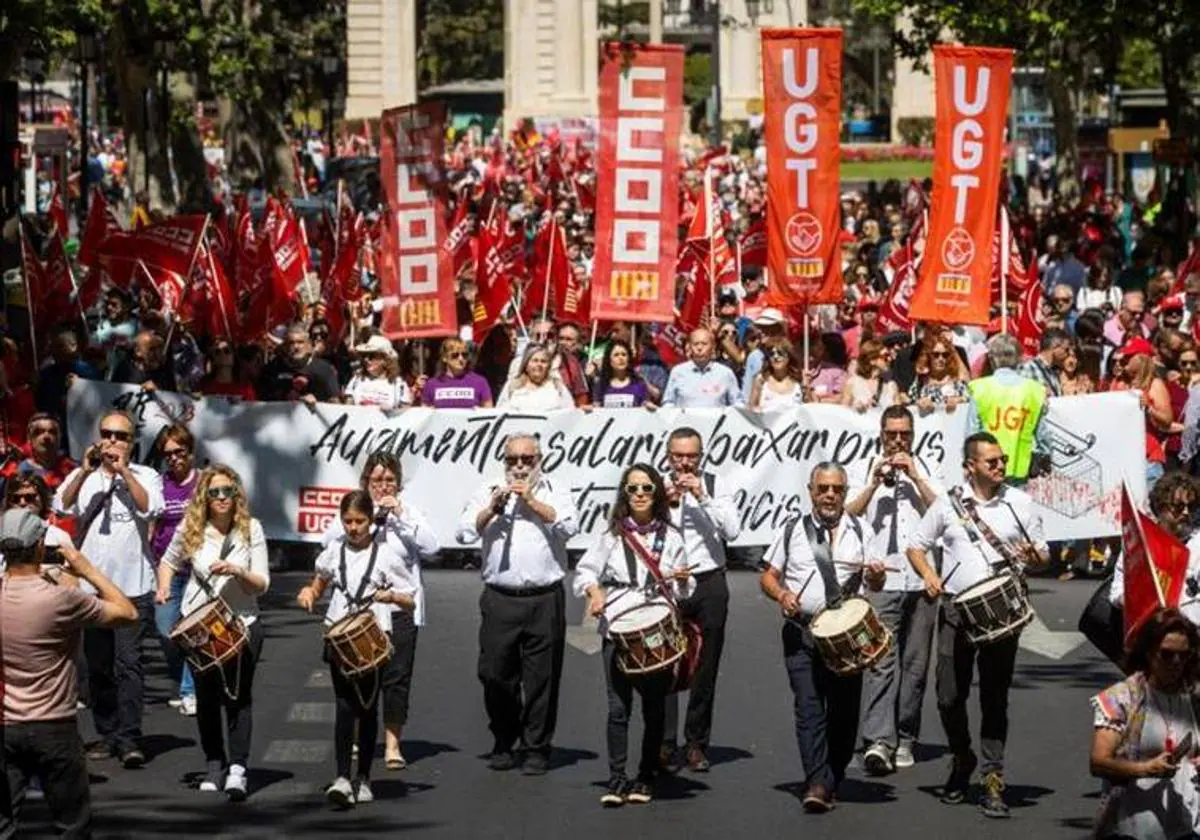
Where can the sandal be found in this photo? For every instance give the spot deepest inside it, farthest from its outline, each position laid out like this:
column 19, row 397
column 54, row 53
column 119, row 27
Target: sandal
column 395, row 762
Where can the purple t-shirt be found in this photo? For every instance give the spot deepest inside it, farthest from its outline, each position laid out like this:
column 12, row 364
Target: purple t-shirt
column 630, row 395
column 175, row 501
column 467, row 391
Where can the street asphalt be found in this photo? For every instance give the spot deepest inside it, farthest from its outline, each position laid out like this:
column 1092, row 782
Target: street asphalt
column 448, row 792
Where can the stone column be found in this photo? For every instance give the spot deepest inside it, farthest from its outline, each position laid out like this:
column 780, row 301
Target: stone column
column 912, row 92
column 381, row 53
column 550, row 59
column 741, row 55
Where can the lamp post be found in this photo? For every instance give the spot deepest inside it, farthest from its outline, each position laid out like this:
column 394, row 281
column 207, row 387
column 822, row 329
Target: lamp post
column 87, row 56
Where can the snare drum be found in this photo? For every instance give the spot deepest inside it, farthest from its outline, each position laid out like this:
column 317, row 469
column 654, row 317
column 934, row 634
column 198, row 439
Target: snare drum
column 994, row 609
column 209, row 636
column 648, row 638
column 850, row 636
column 358, row 644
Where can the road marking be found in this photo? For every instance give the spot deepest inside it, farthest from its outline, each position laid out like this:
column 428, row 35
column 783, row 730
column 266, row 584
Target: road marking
column 298, row 752
column 312, row 713
column 583, row 636
column 319, row 679
column 1052, row 644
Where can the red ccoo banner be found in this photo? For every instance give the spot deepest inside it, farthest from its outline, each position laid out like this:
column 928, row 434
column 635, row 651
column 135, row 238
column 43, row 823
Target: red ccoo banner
column 802, row 86
column 972, row 108
column 637, row 206
column 416, row 274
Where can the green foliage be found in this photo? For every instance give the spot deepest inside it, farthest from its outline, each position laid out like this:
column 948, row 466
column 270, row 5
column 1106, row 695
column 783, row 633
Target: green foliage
column 915, row 131
column 1140, row 65
column 459, row 39
column 697, row 77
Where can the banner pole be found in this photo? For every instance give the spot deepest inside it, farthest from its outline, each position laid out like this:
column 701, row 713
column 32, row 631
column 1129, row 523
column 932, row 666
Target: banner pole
column 633, row 342
column 708, row 220
column 549, row 262
column 29, row 294
column 592, row 342
column 806, row 340
column 1005, row 233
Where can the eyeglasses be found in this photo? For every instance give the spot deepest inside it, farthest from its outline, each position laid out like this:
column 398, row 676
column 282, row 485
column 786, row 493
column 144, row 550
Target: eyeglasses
column 226, row 492
column 639, row 489
column 939, row 354
column 523, row 460
column 998, row 461
column 24, row 499
column 897, row 434
column 461, row 354
column 320, row 335
column 116, row 434
column 1184, row 364
column 1173, row 655
column 177, row 452
column 835, row 489
column 541, row 336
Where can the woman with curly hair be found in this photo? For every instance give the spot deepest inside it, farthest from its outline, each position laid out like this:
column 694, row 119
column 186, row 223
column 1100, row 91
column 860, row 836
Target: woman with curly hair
column 226, row 551
column 941, row 375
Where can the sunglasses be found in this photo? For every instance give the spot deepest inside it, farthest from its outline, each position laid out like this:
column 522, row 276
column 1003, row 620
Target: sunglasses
column 1180, row 507
column 998, row 461
column 1173, row 655
column 1188, row 363
column 939, row 354
column 177, row 452
column 116, row 434
column 896, row 434
column 822, row 489
column 461, row 354
column 1062, row 300
column 639, row 489
column 779, row 355
column 523, row 460
column 23, row 499
column 226, row 492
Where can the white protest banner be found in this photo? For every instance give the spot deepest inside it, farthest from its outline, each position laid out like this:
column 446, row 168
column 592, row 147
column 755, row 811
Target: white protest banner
column 297, row 463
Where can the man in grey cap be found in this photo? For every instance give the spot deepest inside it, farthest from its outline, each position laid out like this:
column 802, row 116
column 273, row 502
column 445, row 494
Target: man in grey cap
column 41, row 623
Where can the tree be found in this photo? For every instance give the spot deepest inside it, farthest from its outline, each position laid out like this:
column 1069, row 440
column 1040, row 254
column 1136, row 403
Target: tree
column 459, row 39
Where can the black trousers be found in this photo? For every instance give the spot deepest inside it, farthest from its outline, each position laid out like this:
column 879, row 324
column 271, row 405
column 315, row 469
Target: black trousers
column 53, row 751
column 709, row 607
column 956, row 661
column 653, row 691
column 116, row 676
column 213, row 695
column 521, row 640
column 357, row 702
column 397, row 673
column 825, row 709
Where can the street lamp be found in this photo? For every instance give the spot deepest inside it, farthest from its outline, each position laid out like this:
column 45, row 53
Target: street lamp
column 87, row 55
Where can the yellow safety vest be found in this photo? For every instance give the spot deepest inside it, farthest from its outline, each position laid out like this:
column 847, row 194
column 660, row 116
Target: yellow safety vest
column 1010, row 412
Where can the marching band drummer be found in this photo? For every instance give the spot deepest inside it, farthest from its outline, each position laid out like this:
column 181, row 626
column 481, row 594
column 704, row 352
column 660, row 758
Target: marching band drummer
column 978, row 523
column 640, row 533
column 815, row 562
column 226, row 551
column 362, row 571
column 406, row 530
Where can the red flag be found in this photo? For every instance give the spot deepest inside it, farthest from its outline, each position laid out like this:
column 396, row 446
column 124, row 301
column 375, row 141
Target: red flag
column 692, row 272
column 1187, row 268
column 458, row 238
column 640, row 98
column 284, row 256
column 101, row 222
column 754, row 243
column 34, row 276
column 1030, row 323
column 1155, row 566
column 169, row 246
column 904, row 262
column 60, row 281
column 548, row 271
column 220, row 304
column 1006, row 260
column 493, row 290
column 170, row 287
column 58, row 212
column 708, row 231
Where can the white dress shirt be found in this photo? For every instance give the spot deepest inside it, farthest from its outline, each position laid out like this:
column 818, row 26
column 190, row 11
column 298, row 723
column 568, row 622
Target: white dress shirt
column 390, row 573
column 706, row 526
column 413, row 540
column 1010, row 514
column 905, row 500
column 241, row 600
column 800, row 573
column 118, row 541
column 520, row 549
column 605, row 563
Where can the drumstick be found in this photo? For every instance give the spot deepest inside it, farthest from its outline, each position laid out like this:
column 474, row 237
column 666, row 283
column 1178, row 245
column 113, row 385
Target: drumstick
column 621, row 593
column 946, row 579
column 864, row 565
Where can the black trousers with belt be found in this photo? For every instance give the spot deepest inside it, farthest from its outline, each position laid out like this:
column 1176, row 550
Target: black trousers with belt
column 521, row 638
column 708, row 607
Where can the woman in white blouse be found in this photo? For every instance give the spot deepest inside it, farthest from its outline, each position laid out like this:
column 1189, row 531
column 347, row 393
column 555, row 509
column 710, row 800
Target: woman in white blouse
column 407, row 532
column 226, row 551
column 640, row 524
column 364, row 574
column 536, row 387
column 777, row 385
column 379, row 383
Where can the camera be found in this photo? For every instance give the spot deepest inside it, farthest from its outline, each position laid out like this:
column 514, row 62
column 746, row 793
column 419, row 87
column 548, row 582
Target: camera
column 52, row 556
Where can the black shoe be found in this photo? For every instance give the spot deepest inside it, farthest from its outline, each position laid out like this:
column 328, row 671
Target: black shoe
column 133, row 759
column 614, row 795
column 535, row 764
column 640, row 792
column 697, row 761
column 502, row 760
column 992, row 804
column 99, row 751
column 959, row 781
column 670, row 759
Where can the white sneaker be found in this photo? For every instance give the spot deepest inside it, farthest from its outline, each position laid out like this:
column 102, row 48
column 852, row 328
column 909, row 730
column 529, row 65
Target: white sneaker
column 214, row 778
column 877, row 760
column 340, row 793
column 175, row 702
column 187, row 705
column 362, row 792
column 235, row 783
column 904, row 756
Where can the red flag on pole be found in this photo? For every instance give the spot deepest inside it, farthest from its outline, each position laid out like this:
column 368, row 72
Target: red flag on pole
column 493, row 290
column 1030, row 323
column 754, row 243
column 549, row 270
column 169, row 246
column 1155, row 566
column 458, row 238
column 708, row 232
column 58, row 212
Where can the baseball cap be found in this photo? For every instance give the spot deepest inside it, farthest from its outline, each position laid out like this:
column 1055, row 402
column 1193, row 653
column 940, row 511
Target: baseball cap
column 20, row 529
column 769, row 317
column 1136, row 347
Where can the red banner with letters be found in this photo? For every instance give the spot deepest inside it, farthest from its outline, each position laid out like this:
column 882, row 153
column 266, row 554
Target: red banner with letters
column 416, row 273
column 802, row 91
column 972, row 86
column 637, row 205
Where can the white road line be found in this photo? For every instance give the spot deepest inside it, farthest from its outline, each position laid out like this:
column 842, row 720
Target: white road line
column 1052, row 644
column 298, row 752
column 583, row 636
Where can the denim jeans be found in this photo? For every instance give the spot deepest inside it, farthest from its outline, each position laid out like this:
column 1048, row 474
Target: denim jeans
column 165, row 617
column 53, row 751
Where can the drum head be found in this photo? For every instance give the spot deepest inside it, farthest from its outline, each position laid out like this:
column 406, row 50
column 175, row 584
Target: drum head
column 195, row 618
column 983, row 587
column 639, row 618
column 834, row 620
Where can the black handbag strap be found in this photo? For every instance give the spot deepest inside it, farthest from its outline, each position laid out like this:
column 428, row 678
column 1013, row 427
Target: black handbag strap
column 357, row 598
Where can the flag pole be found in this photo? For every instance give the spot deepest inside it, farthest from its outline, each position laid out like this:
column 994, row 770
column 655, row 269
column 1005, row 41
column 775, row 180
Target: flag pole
column 212, row 271
column 1005, row 233
column 708, row 231
column 549, row 262
column 806, row 340
column 25, row 258
column 592, row 342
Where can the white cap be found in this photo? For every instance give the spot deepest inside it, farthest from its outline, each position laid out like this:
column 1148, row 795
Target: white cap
column 377, row 344
column 769, row 317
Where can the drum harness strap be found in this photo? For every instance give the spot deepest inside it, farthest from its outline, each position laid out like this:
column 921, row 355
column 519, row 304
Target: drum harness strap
column 203, row 580
column 355, row 603
column 822, row 551
column 974, row 525
column 631, row 545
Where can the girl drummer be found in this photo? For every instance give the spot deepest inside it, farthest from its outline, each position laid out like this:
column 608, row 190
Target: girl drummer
column 407, row 532
column 638, row 560
column 367, row 574
column 227, row 553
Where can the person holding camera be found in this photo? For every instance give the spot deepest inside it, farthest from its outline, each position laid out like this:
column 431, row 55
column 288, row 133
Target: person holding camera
column 899, row 489
column 31, row 493
column 40, row 624
column 116, row 503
